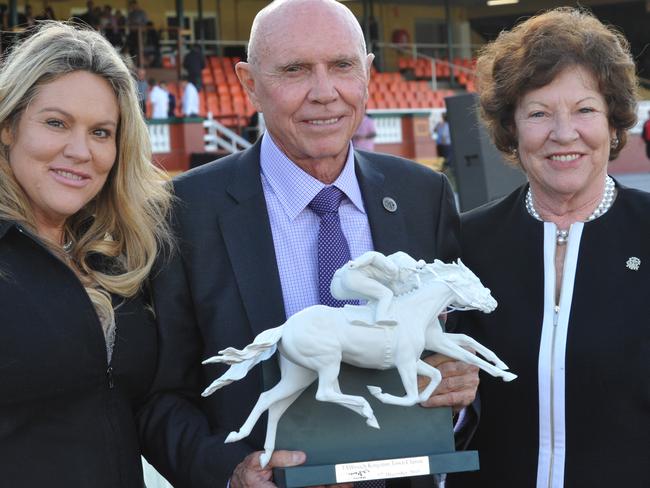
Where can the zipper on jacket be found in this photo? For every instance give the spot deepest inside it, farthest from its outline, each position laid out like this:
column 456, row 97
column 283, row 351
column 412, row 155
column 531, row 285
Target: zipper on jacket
column 109, row 377
column 556, row 314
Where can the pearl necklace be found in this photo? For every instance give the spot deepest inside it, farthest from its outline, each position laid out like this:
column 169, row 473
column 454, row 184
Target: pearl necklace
column 561, row 236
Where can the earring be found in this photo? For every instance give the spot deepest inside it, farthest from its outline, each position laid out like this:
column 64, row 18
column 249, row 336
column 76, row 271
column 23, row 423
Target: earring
column 614, row 143
column 515, row 152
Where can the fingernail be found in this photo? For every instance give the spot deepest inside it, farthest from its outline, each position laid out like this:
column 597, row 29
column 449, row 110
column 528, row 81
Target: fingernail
column 298, row 457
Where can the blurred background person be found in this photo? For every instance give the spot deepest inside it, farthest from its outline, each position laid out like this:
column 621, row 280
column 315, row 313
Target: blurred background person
column 194, row 62
column 27, row 18
column 171, row 105
column 143, row 88
column 190, row 98
column 364, row 137
column 89, row 16
column 136, row 20
column 152, row 46
column 82, row 218
column 109, row 26
column 442, row 136
column 567, row 256
column 159, row 99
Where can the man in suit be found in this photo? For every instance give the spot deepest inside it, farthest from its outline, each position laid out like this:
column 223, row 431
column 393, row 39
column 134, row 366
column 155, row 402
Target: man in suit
column 247, row 256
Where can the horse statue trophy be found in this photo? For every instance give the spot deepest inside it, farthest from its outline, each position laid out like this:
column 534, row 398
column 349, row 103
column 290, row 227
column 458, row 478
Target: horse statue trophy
column 314, row 343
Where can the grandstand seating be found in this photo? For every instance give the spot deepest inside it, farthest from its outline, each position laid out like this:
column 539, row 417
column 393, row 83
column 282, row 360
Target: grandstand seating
column 392, row 91
column 462, row 69
column 223, row 96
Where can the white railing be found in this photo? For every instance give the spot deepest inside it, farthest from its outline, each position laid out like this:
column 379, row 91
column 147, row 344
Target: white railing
column 389, row 130
column 159, row 136
column 218, row 136
column 388, row 122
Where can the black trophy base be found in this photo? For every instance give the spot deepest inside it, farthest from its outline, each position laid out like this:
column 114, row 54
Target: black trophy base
column 332, row 435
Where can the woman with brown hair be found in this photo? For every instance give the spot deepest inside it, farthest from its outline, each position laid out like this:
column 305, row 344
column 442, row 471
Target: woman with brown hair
column 567, row 256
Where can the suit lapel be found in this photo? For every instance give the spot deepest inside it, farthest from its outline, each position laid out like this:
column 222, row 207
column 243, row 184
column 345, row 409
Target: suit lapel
column 247, row 234
column 388, row 228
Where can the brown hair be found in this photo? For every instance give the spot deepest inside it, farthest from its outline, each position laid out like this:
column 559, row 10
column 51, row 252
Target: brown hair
column 534, row 52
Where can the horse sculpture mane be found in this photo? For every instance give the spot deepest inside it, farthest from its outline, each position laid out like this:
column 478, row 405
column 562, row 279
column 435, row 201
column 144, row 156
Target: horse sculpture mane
column 314, row 341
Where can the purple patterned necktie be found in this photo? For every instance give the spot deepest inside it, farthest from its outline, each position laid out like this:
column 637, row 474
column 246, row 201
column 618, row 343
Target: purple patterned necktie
column 333, row 252
column 333, row 249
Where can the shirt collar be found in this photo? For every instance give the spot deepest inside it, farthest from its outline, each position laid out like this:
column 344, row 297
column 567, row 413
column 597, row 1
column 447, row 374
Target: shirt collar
column 294, row 187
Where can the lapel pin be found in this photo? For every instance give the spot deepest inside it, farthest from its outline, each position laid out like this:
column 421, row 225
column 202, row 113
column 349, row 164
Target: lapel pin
column 633, row 263
column 389, row 204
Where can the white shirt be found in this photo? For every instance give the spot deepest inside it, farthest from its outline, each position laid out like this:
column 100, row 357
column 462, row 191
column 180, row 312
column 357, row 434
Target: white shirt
column 159, row 103
column 190, row 100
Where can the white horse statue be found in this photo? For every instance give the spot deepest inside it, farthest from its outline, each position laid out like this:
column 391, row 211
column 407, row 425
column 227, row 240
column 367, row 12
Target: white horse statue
column 314, row 341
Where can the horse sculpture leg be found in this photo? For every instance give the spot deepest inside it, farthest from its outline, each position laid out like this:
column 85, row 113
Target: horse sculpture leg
column 425, row 369
column 408, row 374
column 447, row 344
column 466, row 341
column 300, row 378
column 294, row 380
column 275, row 413
column 330, row 391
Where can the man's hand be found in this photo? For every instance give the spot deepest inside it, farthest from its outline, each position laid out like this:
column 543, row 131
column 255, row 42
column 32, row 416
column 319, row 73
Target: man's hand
column 458, row 386
column 249, row 473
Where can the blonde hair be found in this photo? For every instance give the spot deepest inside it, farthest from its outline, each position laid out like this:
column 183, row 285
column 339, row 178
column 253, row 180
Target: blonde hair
column 126, row 221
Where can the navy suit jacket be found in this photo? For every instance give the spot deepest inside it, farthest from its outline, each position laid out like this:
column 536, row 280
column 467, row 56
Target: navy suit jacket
column 222, row 288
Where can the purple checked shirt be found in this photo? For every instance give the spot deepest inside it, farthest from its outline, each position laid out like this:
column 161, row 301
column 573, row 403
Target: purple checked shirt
column 288, row 190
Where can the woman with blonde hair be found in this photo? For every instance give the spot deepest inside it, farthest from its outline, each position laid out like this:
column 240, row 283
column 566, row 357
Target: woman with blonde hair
column 82, row 220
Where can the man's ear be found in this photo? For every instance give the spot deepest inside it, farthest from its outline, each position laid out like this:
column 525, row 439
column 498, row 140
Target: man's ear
column 247, row 79
column 6, row 136
column 369, row 59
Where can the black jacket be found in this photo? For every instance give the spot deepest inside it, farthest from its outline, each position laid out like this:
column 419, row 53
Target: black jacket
column 607, row 372
column 66, row 416
column 223, row 288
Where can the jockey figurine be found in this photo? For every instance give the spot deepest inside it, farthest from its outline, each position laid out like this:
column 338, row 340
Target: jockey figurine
column 373, row 276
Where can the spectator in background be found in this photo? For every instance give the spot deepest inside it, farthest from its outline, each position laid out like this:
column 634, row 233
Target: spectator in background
column 89, row 16
column 443, row 141
column 190, row 98
column 152, row 45
column 136, row 20
column 159, row 98
column 27, row 19
column 48, row 14
column 171, row 107
column 194, row 64
column 4, row 21
column 109, row 27
column 120, row 20
column 646, row 135
column 143, row 87
column 364, row 137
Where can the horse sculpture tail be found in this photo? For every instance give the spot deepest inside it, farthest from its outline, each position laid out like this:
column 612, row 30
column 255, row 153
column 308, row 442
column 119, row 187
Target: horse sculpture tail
column 242, row 361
